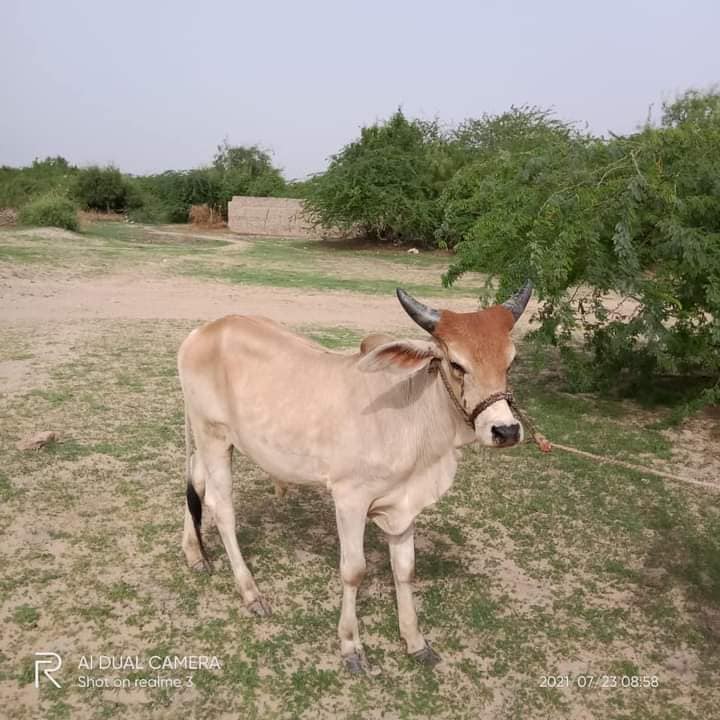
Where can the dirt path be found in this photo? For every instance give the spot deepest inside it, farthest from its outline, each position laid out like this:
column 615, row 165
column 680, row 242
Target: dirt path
column 147, row 296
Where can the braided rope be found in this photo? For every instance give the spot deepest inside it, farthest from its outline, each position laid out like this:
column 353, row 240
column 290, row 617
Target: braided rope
column 536, row 437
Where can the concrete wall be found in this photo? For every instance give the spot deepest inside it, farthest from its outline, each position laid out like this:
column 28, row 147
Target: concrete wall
column 278, row 217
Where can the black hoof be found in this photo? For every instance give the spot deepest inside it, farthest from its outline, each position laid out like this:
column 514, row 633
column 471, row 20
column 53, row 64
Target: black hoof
column 260, row 607
column 354, row 664
column 427, row 656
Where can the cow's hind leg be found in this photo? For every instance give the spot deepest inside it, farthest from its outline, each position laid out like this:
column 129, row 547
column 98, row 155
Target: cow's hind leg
column 351, row 530
column 402, row 559
column 217, row 459
column 192, row 544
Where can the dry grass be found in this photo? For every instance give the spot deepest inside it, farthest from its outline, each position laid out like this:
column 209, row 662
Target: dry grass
column 203, row 216
column 88, row 217
column 8, row 216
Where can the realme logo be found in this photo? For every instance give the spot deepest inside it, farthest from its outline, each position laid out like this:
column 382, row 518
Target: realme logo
column 51, row 663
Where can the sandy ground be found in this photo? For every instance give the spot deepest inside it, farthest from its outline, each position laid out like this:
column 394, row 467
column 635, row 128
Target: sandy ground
column 147, row 297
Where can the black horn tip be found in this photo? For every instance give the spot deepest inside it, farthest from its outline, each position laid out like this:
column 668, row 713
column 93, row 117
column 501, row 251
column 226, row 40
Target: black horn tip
column 518, row 302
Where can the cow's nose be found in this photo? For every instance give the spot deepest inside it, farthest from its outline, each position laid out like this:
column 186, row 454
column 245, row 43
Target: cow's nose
column 503, row 434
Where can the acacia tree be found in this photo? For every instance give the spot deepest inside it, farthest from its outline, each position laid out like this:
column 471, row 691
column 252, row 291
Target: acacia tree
column 384, row 183
column 245, row 170
column 101, row 188
column 637, row 217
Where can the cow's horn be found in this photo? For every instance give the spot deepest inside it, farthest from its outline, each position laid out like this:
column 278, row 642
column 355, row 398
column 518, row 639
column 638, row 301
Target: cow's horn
column 426, row 317
column 518, row 302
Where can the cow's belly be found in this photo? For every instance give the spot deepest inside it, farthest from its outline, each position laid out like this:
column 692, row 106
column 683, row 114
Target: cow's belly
column 291, row 464
column 311, row 438
column 395, row 494
column 331, row 459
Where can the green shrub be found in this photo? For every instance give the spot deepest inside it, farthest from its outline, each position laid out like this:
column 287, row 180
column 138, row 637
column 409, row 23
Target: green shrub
column 235, row 171
column 50, row 210
column 148, row 209
column 20, row 185
column 175, row 191
column 104, row 189
column 245, row 170
column 384, row 183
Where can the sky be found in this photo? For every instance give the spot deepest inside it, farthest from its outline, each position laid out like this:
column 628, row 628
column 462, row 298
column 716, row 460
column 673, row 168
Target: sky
column 155, row 85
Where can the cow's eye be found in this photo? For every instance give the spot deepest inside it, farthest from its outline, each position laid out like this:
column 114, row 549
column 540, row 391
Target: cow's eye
column 457, row 368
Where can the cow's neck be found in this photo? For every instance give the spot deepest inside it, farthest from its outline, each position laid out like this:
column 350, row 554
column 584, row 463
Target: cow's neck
column 437, row 430
column 441, row 426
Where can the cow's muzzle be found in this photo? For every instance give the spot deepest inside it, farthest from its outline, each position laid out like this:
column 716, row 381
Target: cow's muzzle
column 506, row 435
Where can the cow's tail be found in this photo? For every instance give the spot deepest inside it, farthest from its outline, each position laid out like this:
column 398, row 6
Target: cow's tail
column 194, row 502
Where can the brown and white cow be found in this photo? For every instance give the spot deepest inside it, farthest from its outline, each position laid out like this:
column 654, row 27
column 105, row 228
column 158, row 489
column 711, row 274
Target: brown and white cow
column 379, row 429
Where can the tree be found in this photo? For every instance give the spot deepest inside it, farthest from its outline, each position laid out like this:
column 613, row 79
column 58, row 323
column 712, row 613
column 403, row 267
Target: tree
column 245, row 171
column 250, row 160
column 97, row 188
column 621, row 236
column 383, row 183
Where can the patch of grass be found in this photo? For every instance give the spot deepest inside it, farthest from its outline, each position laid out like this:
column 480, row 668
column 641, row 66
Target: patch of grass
column 483, row 614
column 310, row 280
column 586, row 422
column 54, row 396
column 98, row 614
column 140, row 238
column 121, row 591
column 104, row 247
column 309, row 251
column 309, row 685
column 26, row 615
column 21, row 254
column 70, row 449
column 6, row 488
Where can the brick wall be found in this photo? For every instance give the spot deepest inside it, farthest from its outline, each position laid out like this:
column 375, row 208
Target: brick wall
column 278, row 217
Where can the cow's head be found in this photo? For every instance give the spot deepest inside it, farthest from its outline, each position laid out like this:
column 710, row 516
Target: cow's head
column 474, row 351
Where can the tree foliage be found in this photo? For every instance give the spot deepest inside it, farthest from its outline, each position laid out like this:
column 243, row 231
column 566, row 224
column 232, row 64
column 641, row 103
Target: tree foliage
column 19, row 185
column 162, row 197
column 236, row 170
column 101, row 188
column 382, row 184
column 621, row 236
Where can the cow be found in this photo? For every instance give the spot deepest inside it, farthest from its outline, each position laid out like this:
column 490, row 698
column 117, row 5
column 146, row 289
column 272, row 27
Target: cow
column 379, row 429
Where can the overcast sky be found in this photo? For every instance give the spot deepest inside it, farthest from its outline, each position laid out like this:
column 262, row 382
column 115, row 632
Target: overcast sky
column 156, row 85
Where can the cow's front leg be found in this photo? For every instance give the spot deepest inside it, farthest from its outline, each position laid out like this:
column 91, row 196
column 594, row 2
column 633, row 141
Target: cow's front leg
column 402, row 559
column 351, row 530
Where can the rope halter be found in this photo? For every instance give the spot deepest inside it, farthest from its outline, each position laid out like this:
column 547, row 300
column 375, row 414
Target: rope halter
column 471, row 416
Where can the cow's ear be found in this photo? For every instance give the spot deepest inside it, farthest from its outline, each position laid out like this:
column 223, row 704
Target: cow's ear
column 400, row 356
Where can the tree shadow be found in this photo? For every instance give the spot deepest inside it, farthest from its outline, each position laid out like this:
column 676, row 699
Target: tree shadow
column 685, row 555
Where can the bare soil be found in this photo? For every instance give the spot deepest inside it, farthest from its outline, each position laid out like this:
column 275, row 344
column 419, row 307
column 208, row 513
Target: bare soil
column 134, row 296
column 508, row 585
